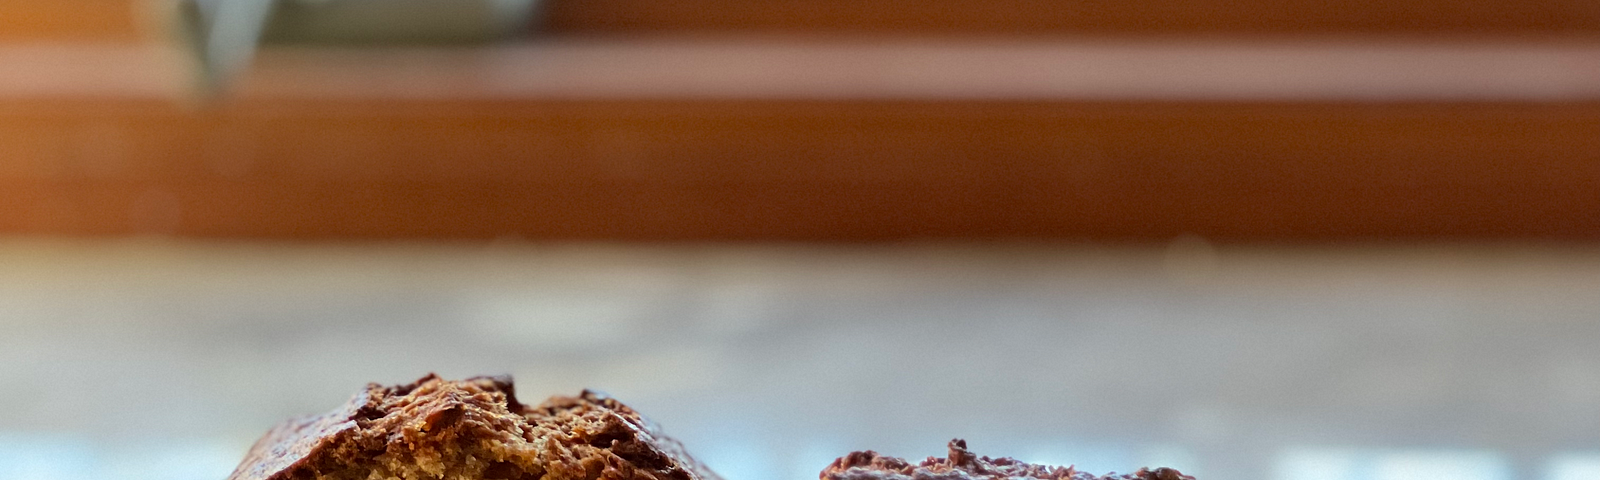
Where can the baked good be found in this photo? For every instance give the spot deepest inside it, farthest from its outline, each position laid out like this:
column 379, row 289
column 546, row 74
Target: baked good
column 474, row 429
column 961, row 464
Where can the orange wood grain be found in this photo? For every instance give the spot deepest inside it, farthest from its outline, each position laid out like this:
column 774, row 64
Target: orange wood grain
column 793, row 170
column 117, row 21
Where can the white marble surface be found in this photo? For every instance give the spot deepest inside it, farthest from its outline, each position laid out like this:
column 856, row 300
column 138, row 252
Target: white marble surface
column 860, row 68
column 150, row 359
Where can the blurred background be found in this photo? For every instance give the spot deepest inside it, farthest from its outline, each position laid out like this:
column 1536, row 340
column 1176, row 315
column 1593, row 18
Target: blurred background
column 1250, row 239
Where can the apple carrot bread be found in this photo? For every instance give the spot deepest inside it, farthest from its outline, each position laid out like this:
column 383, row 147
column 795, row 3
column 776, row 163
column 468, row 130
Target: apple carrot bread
column 474, row 429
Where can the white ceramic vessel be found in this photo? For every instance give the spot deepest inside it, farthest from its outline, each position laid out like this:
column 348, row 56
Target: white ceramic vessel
column 223, row 35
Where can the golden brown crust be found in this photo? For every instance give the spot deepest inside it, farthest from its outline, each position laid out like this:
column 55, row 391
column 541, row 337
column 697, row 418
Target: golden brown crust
column 473, row 429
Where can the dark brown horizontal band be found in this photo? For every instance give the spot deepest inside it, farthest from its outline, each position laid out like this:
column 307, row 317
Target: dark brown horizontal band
column 1071, row 16
column 802, row 170
column 124, row 20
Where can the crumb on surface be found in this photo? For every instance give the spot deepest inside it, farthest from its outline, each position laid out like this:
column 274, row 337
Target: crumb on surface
column 962, row 464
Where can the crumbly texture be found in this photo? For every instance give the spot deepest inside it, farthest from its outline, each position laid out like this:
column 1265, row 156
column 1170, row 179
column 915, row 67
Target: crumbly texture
column 474, row 429
column 961, row 464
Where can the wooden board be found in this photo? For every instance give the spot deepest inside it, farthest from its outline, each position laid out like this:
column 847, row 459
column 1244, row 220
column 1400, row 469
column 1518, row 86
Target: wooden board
column 803, row 170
